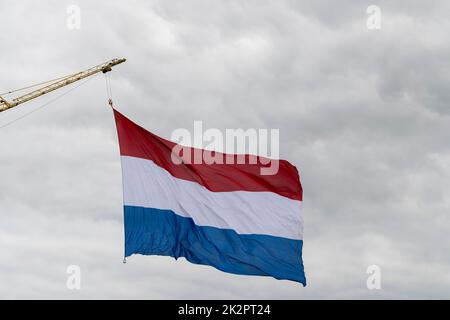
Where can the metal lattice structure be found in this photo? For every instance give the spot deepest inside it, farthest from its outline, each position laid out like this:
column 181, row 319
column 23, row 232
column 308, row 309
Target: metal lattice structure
column 59, row 83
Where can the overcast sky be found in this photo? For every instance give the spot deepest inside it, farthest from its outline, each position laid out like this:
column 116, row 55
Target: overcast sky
column 364, row 114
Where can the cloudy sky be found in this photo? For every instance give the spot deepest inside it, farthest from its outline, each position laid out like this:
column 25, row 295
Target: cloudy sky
column 362, row 113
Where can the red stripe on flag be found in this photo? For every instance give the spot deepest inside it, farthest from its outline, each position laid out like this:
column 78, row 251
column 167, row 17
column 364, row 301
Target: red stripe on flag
column 137, row 142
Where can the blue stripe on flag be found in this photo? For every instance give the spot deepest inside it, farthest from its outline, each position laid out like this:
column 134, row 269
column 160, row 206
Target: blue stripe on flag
column 151, row 231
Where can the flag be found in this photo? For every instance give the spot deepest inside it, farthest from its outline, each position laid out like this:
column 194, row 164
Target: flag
column 228, row 215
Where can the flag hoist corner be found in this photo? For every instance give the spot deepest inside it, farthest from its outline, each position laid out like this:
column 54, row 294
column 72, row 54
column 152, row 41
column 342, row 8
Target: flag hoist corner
column 228, row 216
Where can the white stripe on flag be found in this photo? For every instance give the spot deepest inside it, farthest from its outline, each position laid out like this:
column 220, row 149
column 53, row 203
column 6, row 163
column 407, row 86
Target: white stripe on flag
column 150, row 186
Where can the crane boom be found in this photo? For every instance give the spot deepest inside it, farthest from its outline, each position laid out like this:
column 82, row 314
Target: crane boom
column 104, row 67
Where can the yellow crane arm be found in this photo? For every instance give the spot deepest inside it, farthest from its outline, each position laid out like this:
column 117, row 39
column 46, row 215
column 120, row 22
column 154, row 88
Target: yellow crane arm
column 104, row 67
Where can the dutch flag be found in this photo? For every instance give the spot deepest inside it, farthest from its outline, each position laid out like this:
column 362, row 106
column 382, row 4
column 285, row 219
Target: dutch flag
column 228, row 216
